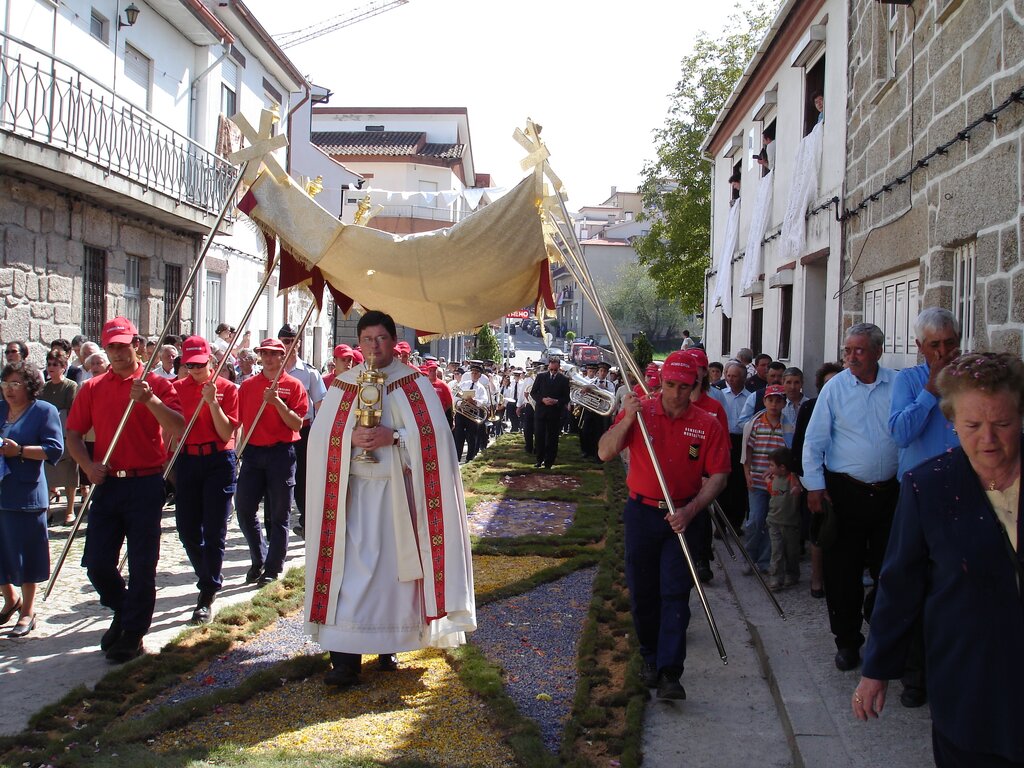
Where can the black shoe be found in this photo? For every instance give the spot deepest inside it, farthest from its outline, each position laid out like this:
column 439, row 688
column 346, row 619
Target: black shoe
column 847, row 659
column 912, row 698
column 112, row 635
column 670, row 688
column 299, row 531
column 253, row 574
column 341, row 677
column 128, row 647
column 649, row 675
column 267, row 578
column 538, row 465
column 387, row 662
column 704, row 572
column 203, row 614
column 21, row 630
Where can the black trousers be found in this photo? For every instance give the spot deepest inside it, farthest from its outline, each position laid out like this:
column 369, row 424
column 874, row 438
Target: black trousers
column 547, row 429
column 300, row 471
column 528, row 427
column 733, row 497
column 864, row 515
column 466, row 432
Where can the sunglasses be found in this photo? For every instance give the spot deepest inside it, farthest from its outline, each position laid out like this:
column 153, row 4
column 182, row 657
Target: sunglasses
column 193, row 366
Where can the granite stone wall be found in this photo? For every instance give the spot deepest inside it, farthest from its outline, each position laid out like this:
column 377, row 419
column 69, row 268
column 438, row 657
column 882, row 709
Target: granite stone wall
column 955, row 61
column 43, row 236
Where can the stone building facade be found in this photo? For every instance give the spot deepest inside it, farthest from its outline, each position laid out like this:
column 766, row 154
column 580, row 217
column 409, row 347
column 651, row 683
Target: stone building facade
column 46, row 238
column 934, row 169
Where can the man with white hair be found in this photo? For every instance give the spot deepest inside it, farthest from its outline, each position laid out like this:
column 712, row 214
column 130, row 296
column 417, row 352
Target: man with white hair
column 915, row 421
column 922, row 432
column 166, row 355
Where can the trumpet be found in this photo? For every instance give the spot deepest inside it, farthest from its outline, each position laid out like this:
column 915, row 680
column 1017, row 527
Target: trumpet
column 466, row 406
column 586, row 395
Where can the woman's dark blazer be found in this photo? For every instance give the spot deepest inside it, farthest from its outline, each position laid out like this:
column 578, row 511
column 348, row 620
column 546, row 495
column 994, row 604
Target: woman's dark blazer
column 948, row 555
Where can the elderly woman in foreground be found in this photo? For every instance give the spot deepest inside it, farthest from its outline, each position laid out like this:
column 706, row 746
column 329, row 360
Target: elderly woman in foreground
column 954, row 555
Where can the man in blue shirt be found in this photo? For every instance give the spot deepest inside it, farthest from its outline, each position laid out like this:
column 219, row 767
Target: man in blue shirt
column 922, row 432
column 850, row 459
column 915, row 421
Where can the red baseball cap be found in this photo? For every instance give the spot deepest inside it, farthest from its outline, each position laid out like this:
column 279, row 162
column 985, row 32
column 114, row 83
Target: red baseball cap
column 270, row 345
column 342, row 350
column 120, row 330
column 357, row 356
column 195, row 349
column 403, row 347
column 699, row 356
column 679, row 367
column 775, row 390
column 430, row 365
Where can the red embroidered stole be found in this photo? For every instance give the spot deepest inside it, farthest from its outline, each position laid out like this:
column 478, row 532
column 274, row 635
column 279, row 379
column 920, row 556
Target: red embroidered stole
column 329, row 525
column 431, row 487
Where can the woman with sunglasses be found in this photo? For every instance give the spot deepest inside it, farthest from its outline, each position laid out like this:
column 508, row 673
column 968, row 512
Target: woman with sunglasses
column 59, row 391
column 205, row 479
column 31, row 434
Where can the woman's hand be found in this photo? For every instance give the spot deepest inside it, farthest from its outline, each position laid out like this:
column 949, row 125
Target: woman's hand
column 10, row 449
column 869, row 698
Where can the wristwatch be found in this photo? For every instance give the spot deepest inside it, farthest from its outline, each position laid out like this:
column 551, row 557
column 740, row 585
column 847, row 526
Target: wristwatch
column 396, row 438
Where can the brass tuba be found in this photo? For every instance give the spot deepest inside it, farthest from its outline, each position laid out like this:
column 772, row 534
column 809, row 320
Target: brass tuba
column 586, row 395
column 465, row 405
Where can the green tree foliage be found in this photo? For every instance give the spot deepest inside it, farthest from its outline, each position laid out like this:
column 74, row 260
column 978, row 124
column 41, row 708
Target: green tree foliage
column 643, row 352
column 633, row 302
column 677, row 185
column 487, row 344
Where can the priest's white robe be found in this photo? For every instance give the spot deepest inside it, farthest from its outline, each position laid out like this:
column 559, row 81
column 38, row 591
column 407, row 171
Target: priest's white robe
column 384, row 592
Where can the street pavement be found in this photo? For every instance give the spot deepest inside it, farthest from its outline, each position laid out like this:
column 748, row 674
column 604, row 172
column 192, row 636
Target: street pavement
column 780, row 701
column 63, row 652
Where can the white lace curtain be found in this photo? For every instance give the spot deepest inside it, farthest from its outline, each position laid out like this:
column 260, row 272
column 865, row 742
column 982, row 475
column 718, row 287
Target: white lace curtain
column 803, row 192
column 753, row 259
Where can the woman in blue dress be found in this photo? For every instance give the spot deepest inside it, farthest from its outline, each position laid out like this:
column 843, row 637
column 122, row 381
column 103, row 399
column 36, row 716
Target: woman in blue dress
column 31, row 433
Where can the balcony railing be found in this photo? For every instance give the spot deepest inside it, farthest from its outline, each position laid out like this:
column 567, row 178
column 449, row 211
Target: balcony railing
column 430, row 213
column 48, row 100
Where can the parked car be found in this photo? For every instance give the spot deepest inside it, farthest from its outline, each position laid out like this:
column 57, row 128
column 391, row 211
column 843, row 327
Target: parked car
column 550, row 352
column 587, row 354
column 506, row 343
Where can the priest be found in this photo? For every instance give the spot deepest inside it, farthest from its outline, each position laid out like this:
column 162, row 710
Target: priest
column 388, row 562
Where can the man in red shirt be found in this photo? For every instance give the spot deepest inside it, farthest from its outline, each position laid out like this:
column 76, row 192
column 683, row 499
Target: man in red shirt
column 693, row 453
column 444, row 394
column 129, row 496
column 268, row 472
column 205, row 468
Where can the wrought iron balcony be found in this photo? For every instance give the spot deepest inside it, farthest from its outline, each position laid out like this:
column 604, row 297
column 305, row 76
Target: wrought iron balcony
column 47, row 100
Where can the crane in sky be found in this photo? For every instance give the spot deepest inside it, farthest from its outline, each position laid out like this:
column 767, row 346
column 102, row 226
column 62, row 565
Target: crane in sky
column 304, row 35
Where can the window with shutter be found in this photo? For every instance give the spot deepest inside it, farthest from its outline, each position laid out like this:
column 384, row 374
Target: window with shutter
column 138, row 69
column 94, row 292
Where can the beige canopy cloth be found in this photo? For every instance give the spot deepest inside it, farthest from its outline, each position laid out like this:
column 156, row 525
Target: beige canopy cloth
column 446, row 281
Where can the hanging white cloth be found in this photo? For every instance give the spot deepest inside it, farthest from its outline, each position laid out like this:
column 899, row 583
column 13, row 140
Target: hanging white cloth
column 801, row 194
column 473, row 197
column 723, row 282
column 753, row 259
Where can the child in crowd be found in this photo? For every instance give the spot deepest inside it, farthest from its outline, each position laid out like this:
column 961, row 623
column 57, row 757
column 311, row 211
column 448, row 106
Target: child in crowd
column 783, row 521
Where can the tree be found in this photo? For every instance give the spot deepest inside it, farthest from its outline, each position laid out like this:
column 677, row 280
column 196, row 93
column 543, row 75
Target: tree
column 676, row 187
column 633, row 302
column 643, row 352
column 487, row 344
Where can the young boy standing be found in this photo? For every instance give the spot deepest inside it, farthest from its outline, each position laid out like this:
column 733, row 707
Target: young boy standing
column 783, row 521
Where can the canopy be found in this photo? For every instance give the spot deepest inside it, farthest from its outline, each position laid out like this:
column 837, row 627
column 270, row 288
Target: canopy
column 446, row 281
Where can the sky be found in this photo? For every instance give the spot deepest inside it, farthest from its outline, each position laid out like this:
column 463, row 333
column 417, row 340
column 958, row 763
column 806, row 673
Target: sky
column 596, row 74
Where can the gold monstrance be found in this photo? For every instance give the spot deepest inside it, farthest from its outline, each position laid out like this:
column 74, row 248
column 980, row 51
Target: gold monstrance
column 371, row 401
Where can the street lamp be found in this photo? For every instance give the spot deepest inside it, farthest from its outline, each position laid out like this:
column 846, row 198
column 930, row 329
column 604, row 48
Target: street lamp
column 131, row 14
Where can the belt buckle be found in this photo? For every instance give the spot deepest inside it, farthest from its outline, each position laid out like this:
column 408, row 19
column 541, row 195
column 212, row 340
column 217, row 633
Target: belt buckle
column 121, row 473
